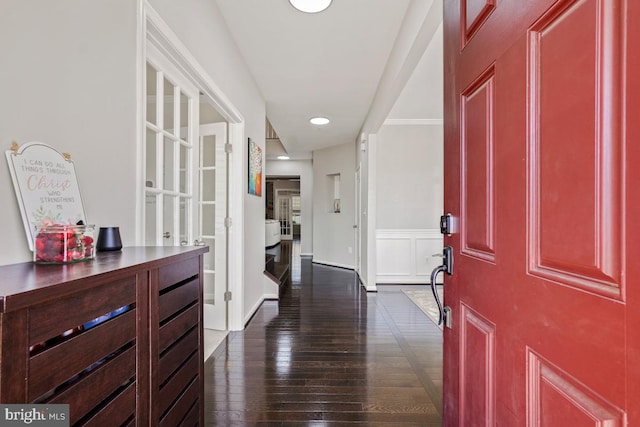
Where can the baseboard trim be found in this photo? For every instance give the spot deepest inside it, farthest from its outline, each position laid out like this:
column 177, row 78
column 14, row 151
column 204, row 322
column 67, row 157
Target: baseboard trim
column 334, row 264
column 364, row 284
column 306, row 255
column 252, row 312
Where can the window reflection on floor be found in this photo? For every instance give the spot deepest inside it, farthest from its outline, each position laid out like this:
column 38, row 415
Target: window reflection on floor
column 288, row 250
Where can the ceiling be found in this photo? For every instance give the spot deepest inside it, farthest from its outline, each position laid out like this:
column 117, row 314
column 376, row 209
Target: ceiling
column 344, row 63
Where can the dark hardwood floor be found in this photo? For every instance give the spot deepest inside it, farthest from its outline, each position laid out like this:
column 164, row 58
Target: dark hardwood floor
column 328, row 353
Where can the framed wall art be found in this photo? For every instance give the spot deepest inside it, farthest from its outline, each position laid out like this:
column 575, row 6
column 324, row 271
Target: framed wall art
column 255, row 169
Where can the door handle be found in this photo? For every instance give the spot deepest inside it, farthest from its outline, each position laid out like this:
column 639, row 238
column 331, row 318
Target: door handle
column 166, row 235
column 446, row 267
column 199, row 242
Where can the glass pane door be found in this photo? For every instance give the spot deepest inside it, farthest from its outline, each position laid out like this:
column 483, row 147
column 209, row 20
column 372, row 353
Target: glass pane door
column 170, row 150
column 212, row 230
column 284, row 216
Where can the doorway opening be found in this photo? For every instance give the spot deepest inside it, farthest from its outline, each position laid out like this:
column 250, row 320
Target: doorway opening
column 188, row 171
column 186, row 179
column 283, row 216
column 283, row 204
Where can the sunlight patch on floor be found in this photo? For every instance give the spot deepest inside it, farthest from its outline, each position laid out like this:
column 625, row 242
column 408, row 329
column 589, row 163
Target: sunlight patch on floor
column 212, row 339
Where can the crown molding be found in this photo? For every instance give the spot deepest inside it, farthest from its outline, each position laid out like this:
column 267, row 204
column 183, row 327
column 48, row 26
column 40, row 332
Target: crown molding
column 413, row 122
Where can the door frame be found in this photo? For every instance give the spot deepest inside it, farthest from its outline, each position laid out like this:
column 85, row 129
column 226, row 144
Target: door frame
column 153, row 30
column 356, row 224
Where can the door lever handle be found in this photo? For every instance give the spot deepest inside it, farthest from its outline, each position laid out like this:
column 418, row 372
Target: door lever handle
column 434, row 275
column 446, row 267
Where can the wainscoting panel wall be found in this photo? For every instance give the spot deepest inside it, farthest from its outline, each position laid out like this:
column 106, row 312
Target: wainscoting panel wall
column 407, row 256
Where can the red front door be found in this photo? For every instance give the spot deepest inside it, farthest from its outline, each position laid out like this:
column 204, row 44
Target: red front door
column 542, row 172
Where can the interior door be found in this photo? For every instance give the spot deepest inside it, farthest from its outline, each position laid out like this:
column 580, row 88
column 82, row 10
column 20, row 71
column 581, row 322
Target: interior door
column 542, row 174
column 284, row 215
column 212, row 230
column 170, row 151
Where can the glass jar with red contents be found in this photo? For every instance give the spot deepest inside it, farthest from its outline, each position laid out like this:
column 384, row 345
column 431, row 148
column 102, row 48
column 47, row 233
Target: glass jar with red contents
column 64, row 244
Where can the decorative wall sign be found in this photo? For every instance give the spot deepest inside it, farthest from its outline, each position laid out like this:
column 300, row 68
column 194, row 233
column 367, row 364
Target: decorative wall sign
column 46, row 187
column 255, row 169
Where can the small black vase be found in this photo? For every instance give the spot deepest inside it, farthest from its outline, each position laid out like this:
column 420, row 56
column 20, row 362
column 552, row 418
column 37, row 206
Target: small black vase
column 109, row 239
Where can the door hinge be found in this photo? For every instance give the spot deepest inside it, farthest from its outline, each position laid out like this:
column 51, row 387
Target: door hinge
column 227, row 296
column 228, row 148
column 227, row 222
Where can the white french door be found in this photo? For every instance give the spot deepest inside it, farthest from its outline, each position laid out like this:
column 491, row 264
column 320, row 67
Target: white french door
column 213, row 209
column 186, row 178
column 284, row 214
column 171, row 152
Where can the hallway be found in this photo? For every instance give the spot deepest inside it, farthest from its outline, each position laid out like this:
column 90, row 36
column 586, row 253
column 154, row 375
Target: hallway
column 327, row 353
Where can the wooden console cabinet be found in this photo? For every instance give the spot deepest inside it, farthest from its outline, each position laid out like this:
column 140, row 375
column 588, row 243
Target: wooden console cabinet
column 142, row 366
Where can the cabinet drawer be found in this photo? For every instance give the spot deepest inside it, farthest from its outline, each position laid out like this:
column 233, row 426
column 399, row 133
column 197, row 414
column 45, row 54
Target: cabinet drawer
column 178, row 272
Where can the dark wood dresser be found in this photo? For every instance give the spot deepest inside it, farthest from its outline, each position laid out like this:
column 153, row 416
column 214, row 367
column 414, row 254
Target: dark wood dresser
column 118, row 338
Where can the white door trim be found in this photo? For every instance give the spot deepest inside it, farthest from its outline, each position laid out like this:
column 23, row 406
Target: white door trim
column 372, row 267
column 153, row 29
column 356, row 224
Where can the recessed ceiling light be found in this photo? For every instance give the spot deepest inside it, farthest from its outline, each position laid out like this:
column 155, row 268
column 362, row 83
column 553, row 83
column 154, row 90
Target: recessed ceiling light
column 283, row 157
column 310, row 6
column 319, row 120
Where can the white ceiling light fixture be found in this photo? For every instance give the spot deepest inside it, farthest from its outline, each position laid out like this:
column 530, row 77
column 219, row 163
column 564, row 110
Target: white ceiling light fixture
column 310, row 6
column 319, row 120
column 283, row 157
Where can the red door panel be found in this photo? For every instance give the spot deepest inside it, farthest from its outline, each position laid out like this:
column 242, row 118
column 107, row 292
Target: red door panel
column 475, row 12
column 576, row 184
column 477, row 192
column 542, row 169
column 477, row 360
column 556, row 398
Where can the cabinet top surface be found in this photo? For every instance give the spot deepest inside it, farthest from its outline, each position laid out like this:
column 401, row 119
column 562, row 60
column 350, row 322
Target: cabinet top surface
column 21, row 280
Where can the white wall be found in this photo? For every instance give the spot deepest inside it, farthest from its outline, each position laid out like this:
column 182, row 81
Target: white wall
column 399, row 97
column 68, row 79
column 303, row 169
column 423, row 95
column 334, row 240
column 409, row 201
column 409, row 176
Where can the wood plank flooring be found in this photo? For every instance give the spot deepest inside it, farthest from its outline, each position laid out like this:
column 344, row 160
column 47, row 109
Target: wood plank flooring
column 329, row 353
